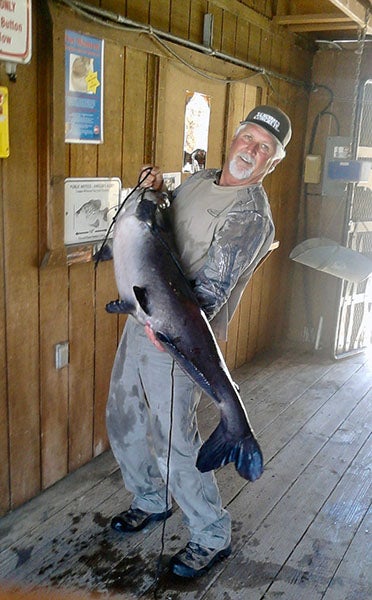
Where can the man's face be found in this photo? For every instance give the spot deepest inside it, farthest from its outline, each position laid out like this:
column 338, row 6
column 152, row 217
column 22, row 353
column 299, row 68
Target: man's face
column 251, row 156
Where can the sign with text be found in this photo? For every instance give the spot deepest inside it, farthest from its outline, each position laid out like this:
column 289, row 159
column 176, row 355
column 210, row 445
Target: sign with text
column 83, row 88
column 90, row 205
column 15, row 31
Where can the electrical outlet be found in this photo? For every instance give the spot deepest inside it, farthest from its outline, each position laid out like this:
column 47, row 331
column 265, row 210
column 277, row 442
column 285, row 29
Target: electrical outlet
column 61, row 354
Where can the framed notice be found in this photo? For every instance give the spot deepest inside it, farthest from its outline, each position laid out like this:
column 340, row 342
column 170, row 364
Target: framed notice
column 90, row 205
column 15, row 31
column 83, row 89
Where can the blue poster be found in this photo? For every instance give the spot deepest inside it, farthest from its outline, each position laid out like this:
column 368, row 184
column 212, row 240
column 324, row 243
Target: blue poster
column 83, row 89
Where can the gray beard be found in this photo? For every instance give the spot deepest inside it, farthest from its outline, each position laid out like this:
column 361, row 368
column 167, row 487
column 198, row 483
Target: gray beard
column 242, row 173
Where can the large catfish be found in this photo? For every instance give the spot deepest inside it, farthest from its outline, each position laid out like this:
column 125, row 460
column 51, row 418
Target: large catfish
column 153, row 289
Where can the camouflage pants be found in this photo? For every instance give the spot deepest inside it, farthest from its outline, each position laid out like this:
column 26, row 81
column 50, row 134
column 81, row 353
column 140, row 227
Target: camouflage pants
column 145, row 384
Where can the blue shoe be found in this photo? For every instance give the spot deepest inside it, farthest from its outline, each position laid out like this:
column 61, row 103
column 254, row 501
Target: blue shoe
column 195, row 560
column 135, row 519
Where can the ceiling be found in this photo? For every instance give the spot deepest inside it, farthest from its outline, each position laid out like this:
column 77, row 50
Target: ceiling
column 325, row 20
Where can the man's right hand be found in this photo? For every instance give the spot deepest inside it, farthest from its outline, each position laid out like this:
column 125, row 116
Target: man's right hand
column 152, row 337
column 153, row 180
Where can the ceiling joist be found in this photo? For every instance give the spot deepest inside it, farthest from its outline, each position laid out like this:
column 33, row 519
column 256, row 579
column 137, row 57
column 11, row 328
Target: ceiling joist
column 350, row 15
column 356, row 11
column 315, row 22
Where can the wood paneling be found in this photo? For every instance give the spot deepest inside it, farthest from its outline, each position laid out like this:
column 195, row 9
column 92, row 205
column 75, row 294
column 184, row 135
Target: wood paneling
column 135, row 127
column 180, row 17
column 53, row 383
column 52, row 421
column 160, row 11
column 109, row 164
column 21, row 288
column 4, row 417
column 172, row 102
column 81, row 337
column 229, row 23
column 53, row 282
column 198, row 9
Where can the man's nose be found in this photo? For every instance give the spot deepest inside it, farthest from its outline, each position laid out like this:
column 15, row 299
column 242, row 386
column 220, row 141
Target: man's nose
column 252, row 147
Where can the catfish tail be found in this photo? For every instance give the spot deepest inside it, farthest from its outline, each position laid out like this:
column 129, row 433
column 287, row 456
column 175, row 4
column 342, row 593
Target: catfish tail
column 219, row 450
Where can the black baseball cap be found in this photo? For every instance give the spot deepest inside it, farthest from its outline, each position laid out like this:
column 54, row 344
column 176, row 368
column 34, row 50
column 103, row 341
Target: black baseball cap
column 274, row 120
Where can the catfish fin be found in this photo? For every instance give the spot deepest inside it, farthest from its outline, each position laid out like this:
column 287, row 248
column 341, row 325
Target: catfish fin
column 219, row 450
column 186, row 365
column 142, row 298
column 119, row 307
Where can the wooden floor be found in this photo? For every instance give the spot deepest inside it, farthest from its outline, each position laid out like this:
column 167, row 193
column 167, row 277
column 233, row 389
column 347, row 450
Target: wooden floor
column 302, row 531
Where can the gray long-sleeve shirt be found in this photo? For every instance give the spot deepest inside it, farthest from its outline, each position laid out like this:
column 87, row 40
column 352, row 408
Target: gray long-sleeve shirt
column 222, row 233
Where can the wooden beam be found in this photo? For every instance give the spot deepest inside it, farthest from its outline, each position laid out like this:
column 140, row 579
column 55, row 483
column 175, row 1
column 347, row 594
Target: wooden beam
column 312, row 19
column 355, row 10
column 244, row 12
column 316, row 22
column 308, row 27
column 323, row 27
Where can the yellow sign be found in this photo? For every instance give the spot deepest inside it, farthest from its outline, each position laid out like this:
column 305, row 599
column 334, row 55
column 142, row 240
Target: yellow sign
column 92, row 82
column 4, row 123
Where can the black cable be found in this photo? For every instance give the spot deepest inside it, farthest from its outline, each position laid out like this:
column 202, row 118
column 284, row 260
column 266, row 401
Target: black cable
column 160, row 558
column 314, row 130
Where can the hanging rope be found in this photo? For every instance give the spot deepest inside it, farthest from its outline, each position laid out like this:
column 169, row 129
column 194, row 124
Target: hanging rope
column 159, row 567
column 359, row 53
column 348, row 289
column 143, row 175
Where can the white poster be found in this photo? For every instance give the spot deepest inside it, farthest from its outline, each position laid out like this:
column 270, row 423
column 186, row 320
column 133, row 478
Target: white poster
column 195, row 144
column 15, row 31
column 90, row 205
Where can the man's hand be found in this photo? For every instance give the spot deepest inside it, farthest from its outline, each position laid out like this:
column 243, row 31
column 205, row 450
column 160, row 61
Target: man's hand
column 153, row 180
column 151, row 335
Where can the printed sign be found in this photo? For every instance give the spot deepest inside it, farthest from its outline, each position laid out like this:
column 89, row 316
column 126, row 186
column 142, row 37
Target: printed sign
column 4, row 123
column 15, row 31
column 83, row 88
column 195, row 145
column 90, row 205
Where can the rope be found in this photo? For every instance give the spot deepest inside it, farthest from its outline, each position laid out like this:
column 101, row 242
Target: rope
column 161, row 554
column 141, row 179
column 359, row 52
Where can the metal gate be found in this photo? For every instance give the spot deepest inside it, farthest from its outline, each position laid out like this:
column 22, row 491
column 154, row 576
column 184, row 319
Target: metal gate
column 354, row 320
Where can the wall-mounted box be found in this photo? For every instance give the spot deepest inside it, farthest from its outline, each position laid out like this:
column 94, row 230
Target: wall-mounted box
column 313, row 168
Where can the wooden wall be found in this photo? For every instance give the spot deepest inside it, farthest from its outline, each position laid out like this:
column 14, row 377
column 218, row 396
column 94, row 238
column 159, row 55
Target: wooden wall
column 52, row 421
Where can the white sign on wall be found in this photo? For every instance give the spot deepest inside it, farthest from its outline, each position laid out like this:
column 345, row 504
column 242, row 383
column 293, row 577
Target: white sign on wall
column 15, row 31
column 90, row 205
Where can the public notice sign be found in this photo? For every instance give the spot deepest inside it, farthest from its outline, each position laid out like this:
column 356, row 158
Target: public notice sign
column 15, row 31
column 90, row 205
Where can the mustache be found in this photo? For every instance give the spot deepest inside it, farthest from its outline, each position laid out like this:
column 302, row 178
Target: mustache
column 247, row 158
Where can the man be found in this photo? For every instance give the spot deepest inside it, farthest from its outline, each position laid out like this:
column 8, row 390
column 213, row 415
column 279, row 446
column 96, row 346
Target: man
column 223, row 227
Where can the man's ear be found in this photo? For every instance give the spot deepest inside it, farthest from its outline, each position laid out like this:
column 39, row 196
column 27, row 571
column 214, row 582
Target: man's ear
column 273, row 165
